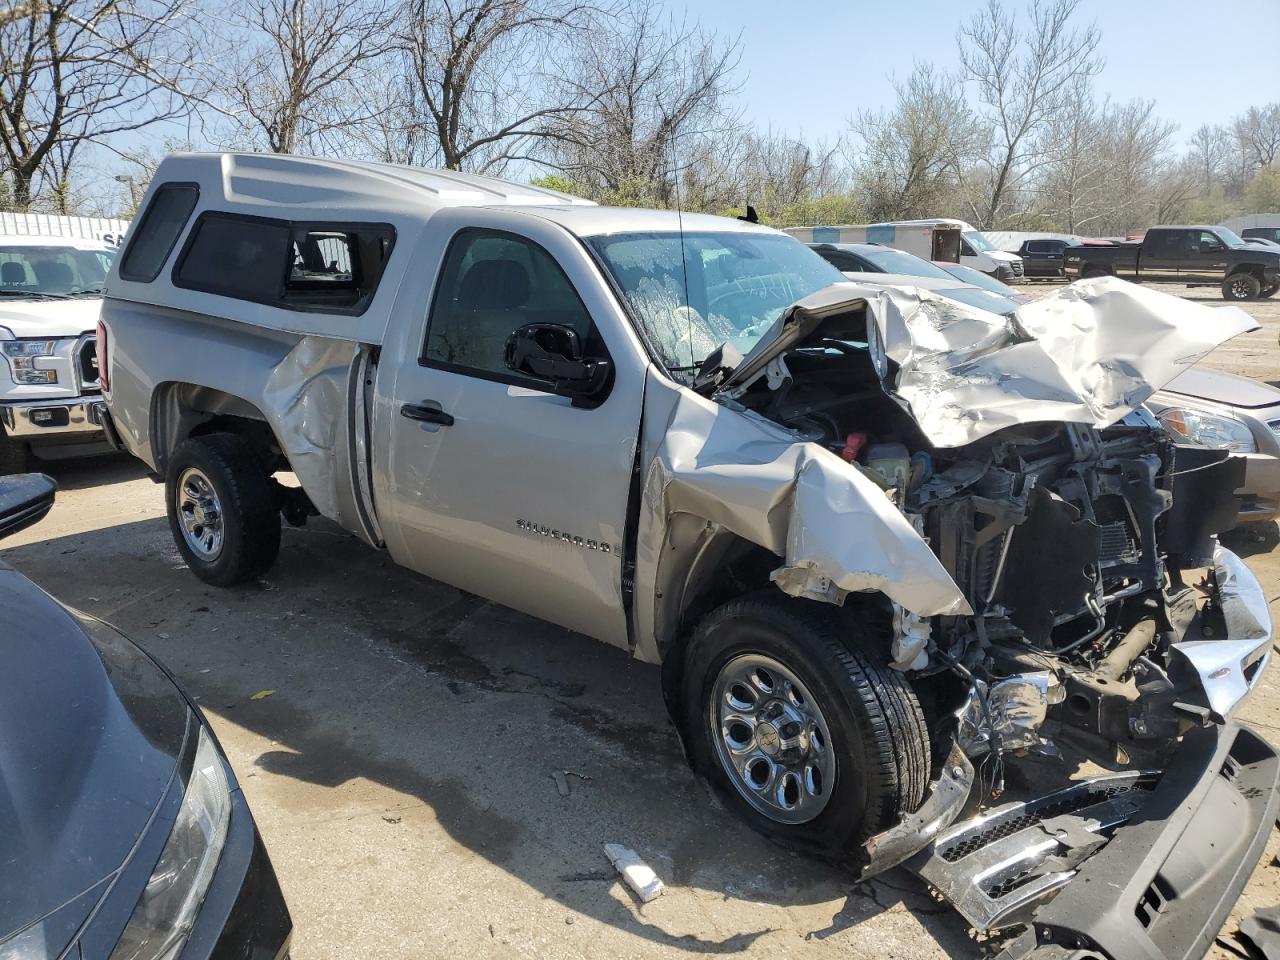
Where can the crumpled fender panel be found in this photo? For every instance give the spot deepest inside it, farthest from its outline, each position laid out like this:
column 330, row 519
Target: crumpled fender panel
column 834, row 529
column 1088, row 353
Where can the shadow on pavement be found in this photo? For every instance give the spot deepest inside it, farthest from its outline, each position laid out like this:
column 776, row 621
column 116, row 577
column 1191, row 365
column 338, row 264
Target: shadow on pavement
column 386, row 676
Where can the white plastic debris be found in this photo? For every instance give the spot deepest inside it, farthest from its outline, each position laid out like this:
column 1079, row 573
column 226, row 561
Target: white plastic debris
column 635, row 872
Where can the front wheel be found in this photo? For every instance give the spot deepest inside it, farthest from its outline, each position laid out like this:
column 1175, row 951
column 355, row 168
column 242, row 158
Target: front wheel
column 800, row 726
column 222, row 510
column 1241, row 286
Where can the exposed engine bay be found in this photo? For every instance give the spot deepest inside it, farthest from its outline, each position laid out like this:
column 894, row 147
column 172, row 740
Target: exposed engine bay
column 1073, row 545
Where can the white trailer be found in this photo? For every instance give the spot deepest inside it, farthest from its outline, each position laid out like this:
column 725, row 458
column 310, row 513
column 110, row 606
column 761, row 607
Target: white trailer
column 929, row 241
column 110, row 230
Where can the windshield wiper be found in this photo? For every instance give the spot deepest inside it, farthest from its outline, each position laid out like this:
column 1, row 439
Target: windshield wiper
column 34, row 295
column 94, row 292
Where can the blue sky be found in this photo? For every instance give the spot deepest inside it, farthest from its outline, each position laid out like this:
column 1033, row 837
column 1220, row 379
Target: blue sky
column 811, row 66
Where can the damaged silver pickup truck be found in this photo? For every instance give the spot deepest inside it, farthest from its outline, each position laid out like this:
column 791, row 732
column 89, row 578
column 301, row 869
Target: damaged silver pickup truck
column 884, row 546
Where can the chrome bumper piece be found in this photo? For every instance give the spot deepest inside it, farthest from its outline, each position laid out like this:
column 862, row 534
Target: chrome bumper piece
column 35, row 419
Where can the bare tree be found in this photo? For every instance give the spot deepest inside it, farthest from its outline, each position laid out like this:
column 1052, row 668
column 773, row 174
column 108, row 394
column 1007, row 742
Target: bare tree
column 651, row 88
column 298, row 70
column 1258, row 130
column 910, row 157
column 73, row 72
column 1024, row 77
column 481, row 76
column 1071, row 187
column 1209, row 156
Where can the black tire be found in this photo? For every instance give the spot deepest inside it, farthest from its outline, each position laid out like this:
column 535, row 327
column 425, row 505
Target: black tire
column 1269, row 291
column 15, row 456
column 1090, row 272
column 1241, row 286
column 248, row 513
column 878, row 735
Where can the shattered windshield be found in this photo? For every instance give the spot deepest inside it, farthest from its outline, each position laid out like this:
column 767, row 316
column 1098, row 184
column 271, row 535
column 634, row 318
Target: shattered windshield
column 726, row 288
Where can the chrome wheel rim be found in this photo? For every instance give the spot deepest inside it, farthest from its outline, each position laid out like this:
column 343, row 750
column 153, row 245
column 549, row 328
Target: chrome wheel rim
column 771, row 739
column 1240, row 289
column 199, row 514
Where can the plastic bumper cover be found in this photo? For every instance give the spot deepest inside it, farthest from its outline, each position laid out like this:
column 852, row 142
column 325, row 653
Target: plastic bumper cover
column 1162, row 886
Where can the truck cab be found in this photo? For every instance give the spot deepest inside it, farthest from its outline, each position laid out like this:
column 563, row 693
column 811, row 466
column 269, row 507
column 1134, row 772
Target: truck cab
column 50, row 402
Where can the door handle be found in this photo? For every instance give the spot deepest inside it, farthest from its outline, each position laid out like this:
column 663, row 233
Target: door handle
column 418, row 411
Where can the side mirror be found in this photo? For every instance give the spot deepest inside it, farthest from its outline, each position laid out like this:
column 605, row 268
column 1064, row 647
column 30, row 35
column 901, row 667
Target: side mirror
column 24, row 499
column 553, row 351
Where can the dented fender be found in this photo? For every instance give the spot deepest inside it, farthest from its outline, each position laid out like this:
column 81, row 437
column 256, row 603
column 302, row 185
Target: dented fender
column 710, row 468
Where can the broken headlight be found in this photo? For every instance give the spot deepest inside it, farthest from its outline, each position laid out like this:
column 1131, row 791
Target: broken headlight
column 1208, row 430
column 22, row 355
column 167, row 909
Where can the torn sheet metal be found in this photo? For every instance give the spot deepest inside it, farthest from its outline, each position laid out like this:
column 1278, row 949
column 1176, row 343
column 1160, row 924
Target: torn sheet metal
column 1089, row 353
column 835, row 530
column 1230, row 667
column 305, row 400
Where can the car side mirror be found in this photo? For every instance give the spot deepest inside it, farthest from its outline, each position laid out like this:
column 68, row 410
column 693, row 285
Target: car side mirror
column 24, row 499
column 553, row 351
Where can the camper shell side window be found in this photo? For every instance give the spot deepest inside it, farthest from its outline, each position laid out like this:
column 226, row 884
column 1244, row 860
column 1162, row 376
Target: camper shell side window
column 305, row 266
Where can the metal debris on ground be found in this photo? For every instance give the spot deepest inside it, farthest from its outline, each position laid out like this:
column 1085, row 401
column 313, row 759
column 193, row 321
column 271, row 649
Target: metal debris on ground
column 635, row 872
column 562, row 782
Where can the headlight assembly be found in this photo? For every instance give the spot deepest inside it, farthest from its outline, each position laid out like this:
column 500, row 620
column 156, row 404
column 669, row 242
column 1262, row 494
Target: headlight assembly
column 167, row 909
column 22, row 355
column 1208, row 430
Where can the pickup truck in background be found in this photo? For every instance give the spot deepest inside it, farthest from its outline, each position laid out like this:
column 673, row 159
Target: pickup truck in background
column 50, row 402
column 1199, row 256
column 870, row 587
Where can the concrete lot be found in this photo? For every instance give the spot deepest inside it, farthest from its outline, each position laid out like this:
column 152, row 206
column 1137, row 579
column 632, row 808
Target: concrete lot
column 401, row 770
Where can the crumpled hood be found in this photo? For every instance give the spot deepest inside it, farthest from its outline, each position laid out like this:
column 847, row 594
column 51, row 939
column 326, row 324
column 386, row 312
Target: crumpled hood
column 1089, row 353
column 49, row 318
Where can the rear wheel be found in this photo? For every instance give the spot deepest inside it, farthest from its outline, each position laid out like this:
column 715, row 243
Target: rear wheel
column 1241, row 286
column 804, row 731
column 15, row 456
column 222, row 509
column 1269, row 291
column 1091, row 272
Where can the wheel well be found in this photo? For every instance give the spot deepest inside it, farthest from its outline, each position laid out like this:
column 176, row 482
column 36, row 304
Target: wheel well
column 180, row 411
column 1253, row 268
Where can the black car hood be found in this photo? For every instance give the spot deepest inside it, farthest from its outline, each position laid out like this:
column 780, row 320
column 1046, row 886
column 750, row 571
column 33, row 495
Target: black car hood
column 90, row 734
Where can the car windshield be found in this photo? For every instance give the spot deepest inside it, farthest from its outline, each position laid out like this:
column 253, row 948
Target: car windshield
column 897, row 261
column 693, row 293
column 979, row 279
column 976, row 240
column 49, row 271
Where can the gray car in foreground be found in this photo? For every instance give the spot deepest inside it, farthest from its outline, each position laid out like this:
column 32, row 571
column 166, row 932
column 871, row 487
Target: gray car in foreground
column 881, row 543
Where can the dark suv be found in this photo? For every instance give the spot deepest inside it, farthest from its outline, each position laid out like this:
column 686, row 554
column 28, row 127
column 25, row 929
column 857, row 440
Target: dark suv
column 1043, row 258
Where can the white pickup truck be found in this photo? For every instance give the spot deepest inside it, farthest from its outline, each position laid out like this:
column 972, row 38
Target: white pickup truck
column 50, row 404
column 875, row 538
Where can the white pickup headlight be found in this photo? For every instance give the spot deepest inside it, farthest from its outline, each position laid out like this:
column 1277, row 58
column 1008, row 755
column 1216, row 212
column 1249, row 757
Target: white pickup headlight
column 22, row 355
column 1208, row 430
column 167, row 909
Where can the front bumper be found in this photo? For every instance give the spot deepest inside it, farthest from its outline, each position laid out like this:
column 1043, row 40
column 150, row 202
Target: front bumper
column 55, row 421
column 1162, row 886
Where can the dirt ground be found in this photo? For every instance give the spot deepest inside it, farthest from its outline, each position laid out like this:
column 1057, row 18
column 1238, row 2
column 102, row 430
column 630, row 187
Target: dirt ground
column 400, row 772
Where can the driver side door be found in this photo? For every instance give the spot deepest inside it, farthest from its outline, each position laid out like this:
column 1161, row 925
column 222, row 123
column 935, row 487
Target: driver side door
column 496, row 484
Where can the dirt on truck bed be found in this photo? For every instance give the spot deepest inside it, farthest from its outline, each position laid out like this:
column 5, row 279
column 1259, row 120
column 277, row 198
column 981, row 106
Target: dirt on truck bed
column 406, row 749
